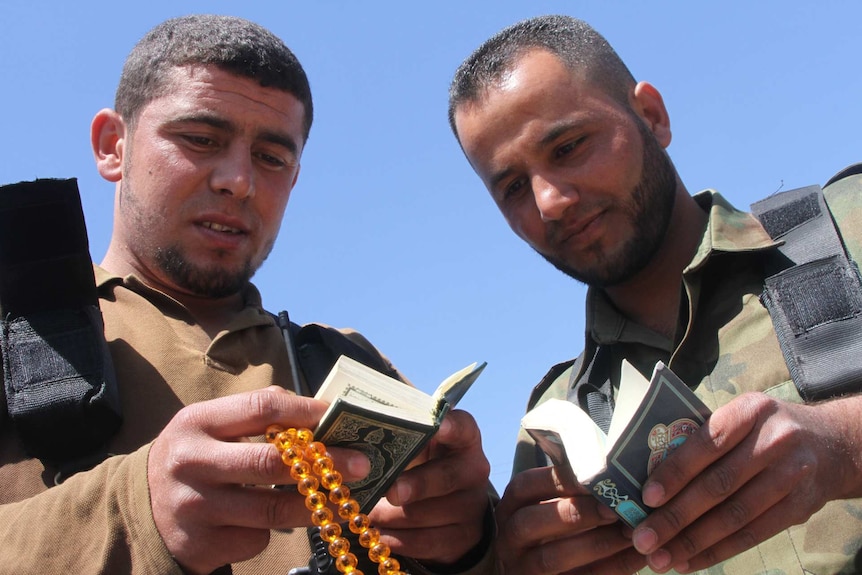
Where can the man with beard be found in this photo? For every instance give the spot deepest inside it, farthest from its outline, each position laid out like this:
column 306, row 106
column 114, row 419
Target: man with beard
column 572, row 150
column 204, row 144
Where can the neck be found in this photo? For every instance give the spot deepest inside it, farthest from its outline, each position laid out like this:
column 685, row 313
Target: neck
column 652, row 297
column 210, row 314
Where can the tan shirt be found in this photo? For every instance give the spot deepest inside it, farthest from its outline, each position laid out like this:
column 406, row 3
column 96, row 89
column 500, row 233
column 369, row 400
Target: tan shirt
column 100, row 521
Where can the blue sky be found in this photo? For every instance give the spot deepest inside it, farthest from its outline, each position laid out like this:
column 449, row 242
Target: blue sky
column 388, row 230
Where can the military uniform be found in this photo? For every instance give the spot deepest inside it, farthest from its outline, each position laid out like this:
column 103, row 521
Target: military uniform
column 727, row 346
column 101, row 521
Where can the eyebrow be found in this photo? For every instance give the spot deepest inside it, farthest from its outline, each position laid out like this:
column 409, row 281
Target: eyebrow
column 221, row 124
column 557, row 130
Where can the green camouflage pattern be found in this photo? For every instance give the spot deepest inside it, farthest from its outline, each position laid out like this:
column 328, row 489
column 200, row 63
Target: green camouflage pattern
column 730, row 348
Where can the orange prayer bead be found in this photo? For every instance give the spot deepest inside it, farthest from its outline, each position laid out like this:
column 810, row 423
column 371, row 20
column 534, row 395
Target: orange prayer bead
column 331, row 480
column 340, row 494
column 348, row 509
column 321, row 516
column 322, row 465
column 330, row 532
column 339, row 546
column 369, row 537
column 359, row 523
column 380, row 552
column 314, row 501
column 389, row 566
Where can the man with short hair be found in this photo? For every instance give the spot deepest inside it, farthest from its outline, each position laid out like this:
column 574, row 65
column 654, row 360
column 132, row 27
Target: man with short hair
column 572, row 150
column 212, row 116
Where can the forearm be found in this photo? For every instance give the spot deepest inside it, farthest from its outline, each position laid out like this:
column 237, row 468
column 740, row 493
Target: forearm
column 96, row 522
column 842, row 421
column 479, row 560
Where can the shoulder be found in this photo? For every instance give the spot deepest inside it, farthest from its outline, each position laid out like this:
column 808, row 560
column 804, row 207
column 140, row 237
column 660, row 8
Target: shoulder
column 843, row 195
column 344, row 341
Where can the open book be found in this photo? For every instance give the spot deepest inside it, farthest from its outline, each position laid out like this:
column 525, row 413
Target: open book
column 650, row 420
column 386, row 419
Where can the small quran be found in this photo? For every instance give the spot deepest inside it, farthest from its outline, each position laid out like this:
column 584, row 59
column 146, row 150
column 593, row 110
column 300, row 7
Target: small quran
column 384, row 418
column 650, row 420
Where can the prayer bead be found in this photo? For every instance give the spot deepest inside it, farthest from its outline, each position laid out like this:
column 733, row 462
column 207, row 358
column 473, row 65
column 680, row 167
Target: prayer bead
column 369, row 537
column 300, row 469
column 346, row 563
column 304, row 437
column 314, row 450
column 272, row 432
column 339, row 546
column 330, row 532
column 307, row 484
column 378, row 553
column 340, row 494
column 359, row 523
column 331, row 480
column 348, row 509
column 322, row 465
column 290, row 454
column 321, row 516
column 389, row 566
column 315, row 500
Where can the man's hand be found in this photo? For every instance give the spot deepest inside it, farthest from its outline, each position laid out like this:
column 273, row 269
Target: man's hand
column 434, row 511
column 757, row 466
column 549, row 526
column 210, row 492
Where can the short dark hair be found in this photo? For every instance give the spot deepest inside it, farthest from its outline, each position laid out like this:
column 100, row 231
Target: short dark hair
column 573, row 41
column 232, row 44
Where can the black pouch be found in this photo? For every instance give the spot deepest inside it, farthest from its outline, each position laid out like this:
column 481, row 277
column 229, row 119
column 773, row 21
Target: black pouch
column 61, row 392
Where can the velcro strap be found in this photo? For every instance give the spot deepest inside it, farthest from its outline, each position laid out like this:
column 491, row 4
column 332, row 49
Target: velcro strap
column 817, row 312
column 802, row 221
column 59, row 380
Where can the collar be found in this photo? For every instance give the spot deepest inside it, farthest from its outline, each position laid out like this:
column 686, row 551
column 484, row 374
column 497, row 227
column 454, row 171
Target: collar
column 251, row 315
column 728, row 231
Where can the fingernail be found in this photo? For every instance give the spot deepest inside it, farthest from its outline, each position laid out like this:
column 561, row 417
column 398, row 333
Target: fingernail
column 403, row 492
column 653, row 494
column 445, row 426
column 644, row 539
column 660, row 560
column 358, row 465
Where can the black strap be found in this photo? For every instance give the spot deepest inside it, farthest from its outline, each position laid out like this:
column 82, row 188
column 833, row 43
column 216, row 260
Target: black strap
column 592, row 389
column 815, row 300
column 57, row 370
column 318, row 348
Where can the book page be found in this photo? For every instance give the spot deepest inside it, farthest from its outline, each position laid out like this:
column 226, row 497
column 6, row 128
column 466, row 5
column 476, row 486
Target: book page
column 362, row 385
column 562, row 422
column 453, row 388
column 633, row 388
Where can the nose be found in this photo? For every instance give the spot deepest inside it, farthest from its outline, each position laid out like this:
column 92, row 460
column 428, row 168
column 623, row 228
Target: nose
column 234, row 173
column 552, row 199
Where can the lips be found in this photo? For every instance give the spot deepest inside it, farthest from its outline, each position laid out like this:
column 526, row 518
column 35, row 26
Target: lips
column 577, row 231
column 216, row 227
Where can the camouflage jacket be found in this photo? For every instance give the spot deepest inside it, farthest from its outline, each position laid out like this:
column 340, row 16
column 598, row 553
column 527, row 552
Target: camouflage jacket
column 728, row 347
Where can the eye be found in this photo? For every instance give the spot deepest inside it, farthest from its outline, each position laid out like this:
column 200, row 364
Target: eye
column 567, row 148
column 198, row 141
column 514, row 189
column 270, row 160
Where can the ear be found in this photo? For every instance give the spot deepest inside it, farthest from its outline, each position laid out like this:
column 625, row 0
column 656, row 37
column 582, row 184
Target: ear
column 108, row 137
column 649, row 105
